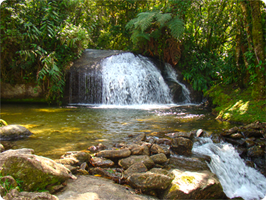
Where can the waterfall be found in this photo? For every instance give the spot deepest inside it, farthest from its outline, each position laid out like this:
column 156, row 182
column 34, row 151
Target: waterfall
column 121, row 80
column 237, row 179
column 130, row 80
column 171, row 75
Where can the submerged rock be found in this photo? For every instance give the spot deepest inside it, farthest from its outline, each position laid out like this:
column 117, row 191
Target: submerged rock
column 194, row 185
column 14, row 132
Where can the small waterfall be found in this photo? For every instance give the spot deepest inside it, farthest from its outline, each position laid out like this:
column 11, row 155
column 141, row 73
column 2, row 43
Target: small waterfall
column 121, row 80
column 130, row 80
column 237, row 179
column 172, row 76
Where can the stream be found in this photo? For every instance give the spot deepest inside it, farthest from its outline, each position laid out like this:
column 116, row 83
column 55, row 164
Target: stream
column 57, row 130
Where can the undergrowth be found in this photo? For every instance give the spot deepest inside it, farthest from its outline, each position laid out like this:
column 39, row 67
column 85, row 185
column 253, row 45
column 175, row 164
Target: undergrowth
column 237, row 105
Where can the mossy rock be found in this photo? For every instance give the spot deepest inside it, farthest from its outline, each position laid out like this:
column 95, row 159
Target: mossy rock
column 35, row 172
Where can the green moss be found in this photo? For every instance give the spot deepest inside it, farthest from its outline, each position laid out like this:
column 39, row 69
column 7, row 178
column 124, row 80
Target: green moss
column 233, row 104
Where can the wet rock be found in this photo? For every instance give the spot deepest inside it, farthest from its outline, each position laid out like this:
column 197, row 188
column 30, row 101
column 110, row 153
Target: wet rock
column 253, row 133
column 194, row 185
column 235, row 141
column 14, row 132
column 6, row 154
column 16, row 195
column 230, row 131
column 78, row 157
column 162, row 171
column 236, row 136
column 36, row 172
column 255, row 151
column 119, row 153
column 101, row 162
column 159, row 158
column 135, row 168
column 149, row 181
column 250, row 142
column 188, row 163
column 127, row 162
column 138, row 137
column 181, row 146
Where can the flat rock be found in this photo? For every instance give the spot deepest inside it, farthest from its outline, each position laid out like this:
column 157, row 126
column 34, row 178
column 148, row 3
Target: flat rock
column 94, row 188
column 119, row 153
column 15, row 195
column 188, row 163
column 101, row 162
column 14, row 132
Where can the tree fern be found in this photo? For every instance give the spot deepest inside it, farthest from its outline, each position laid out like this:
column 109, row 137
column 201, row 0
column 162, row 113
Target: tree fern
column 176, row 26
column 162, row 19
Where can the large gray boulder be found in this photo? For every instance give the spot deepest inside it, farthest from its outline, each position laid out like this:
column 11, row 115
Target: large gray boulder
column 14, row 132
column 194, row 185
column 35, row 172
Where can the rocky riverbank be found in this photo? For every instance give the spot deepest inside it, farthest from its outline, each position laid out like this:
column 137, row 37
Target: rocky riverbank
column 164, row 167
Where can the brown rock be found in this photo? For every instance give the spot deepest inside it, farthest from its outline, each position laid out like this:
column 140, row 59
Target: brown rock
column 15, row 195
column 101, row 162
column 182, row 146
column 120, row 153
column 159, row 158
column 135, row 168
column 127, row 162
column 14, row 132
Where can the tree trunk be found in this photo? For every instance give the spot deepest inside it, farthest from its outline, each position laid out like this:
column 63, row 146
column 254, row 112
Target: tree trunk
column 258, row 42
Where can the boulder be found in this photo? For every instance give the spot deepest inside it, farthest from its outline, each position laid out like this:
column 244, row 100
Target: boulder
column 256, row 151
column 155, row 149
column 14, row 132
column 181, row 146
column 136, row 149
column 16, row 195
column 112, row 154
column 194, row 185
column 127, row 162
column 149, row 180
column 6, row 154
column 36, row 172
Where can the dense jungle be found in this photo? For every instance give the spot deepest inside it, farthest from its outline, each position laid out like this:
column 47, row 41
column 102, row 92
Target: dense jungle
column 219, row 46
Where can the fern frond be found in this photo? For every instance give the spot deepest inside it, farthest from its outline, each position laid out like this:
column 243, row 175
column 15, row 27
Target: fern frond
column 176, row 26
column 145, row 20
column 162, row 19
column 131, row 24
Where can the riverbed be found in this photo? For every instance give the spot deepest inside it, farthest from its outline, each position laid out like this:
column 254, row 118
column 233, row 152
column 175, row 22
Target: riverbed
column 57, row 130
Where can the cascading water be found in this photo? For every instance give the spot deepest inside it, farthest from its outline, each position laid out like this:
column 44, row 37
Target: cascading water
column 131, row 80
column 171, row 75
column 122, row 80
column 237, row 179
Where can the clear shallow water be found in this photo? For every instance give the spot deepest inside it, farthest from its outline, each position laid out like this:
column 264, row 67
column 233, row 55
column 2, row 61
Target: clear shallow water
column 60, row 129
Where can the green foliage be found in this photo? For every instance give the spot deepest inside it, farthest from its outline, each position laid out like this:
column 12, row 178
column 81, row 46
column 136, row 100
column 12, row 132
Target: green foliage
column 154, row 24
column 40, row 42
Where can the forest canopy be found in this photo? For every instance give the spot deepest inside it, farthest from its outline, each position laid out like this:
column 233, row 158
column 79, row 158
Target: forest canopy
column 211, row 41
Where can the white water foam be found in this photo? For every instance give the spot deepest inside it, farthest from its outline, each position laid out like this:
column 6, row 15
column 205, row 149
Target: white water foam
column 237, row 179
column 133, row 80
column 171, row 73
